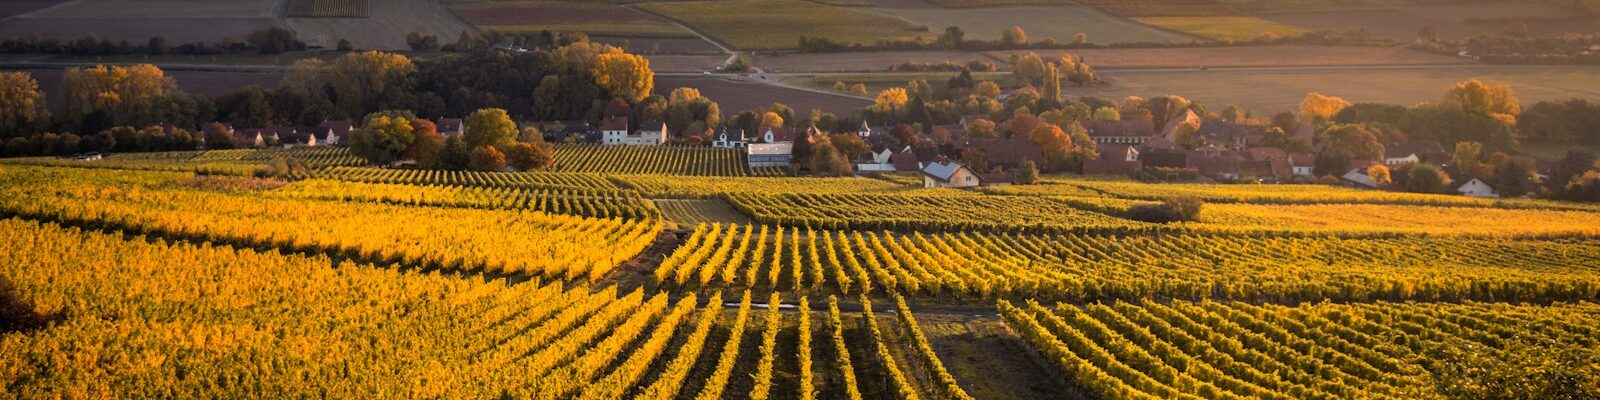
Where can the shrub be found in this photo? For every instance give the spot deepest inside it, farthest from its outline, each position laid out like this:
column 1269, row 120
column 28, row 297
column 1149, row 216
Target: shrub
column 1173, row 209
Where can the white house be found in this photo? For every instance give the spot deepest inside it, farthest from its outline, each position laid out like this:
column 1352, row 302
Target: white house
column 1302, row 164
column 614, row 131
column 1476, row 188
column 450, row 127
column 769, row 154
column 729, row 139
column 876, row 161
column 331, row 133
column 944, row 173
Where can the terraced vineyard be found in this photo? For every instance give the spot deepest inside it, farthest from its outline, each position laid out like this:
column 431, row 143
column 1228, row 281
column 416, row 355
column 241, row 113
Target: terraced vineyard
column 1152, row 349
column 600, row 204
column 238, row 162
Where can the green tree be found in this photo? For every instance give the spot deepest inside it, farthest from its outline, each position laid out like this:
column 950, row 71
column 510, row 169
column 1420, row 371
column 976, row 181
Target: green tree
column 1028, row 175
column 456, row 155
column 1427, row 178
column 490, row 127
column 383, row 137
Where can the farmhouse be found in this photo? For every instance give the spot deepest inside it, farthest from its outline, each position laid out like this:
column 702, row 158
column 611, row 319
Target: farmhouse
column 1407, row 153
column 450, row 127
column 1010, row 152
column 1358, row 177
column 944, row 173
column 1118, row 159
column 769, row 154
column 1477, row 188
column 727, row 138
column 332, row 133
column 877, row 160
column 1302, row 164
column 1230, row 135
column 614, row 131
column 1119, row 132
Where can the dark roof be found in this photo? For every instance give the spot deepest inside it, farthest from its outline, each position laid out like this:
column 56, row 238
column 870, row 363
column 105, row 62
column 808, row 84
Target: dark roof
column 1303, row 159
column 904, row 160
column 735, row 135
column 1119, row 128
column 1422, row 149
column 1267, row 154
column 1230, row 133
column 1164, row 158
column 1011, row 152
column 614, row 124
column 448, row 125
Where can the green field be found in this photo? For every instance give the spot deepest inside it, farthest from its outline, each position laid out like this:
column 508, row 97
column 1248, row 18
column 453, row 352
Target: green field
column 1232, row 29
column 779, row 24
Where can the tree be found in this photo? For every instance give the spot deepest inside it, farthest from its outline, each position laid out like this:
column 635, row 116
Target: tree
column 1014, row 37
column 1055, row 145
column 1379, row 173
column 1355, row 140
column 490, row 127
column 892, row 98
column 952, row 37
column 116, row 90
column 1029, row 69
column 982, row 129
column 1052, row 84
column 383, row 137
column 1318, row 107
column 850, row 145
column 455, row 156
column 530, row 156
column 988, row 90
column 1516, row 177
column 1584, row 187
column 859, row 89
column 1468, row 159
column 1517, row 29
column 22, row 104
column 1108, row 114
column 217, row 137
column 426, row 144
column 1427, row 178
column 1479, row 97
column 623, row 75
column 975, row 159
column 1028, row 175
column 771, row 119
column 487, row 159
column 1187, row 134
column 828, row 161
column 1080, row 39
column 369, row 80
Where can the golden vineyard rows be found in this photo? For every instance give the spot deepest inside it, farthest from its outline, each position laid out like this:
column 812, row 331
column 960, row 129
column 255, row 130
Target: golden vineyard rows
column 612, row 204
column 203, row 321
column 669, row 160
column 1238, row 350
column 1083, row 267
column 507, row 241
column 237, row 162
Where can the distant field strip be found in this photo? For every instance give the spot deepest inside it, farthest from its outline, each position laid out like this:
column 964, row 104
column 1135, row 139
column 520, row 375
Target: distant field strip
column 555, row 201
column 657, row 160
column 779, row 24
column 329, row 9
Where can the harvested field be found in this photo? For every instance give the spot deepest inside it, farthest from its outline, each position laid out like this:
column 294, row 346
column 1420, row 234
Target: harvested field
column 735, row 96
column 876, row 82
column 652, row 45
column 391, row 20
column 684, row 63
column 17, row 7
column 1270, row 90
column 591, row 18
column 1222, row 28
column 1405, row 22
column 137, row 30
column 1061, row 22
column 1248, row 56
column 879, row 61
column 779, row 24
column 120, row 9
column 329, row 8
column 1466, row 10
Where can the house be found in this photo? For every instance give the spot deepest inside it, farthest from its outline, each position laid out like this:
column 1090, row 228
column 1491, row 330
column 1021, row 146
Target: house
column 1172, row 125
column 651, row 133
column 778, row 134
column 1011, row 152
column 870, row 133
column 87, row 157
column 944, row 173
column 995, row 179
column 1302, row 164
column 332, row 133
column 1119, row 132
column 769, row 154
column 573, row 131
column 876, row 160
column 614, row 131
column 727, row 138
column 1230, row 135
column 1358, row 177
column 1476, row 188
column 263, row 137
column 297, row 139
column 450, row 127
column 1413, row 152
column 905, row 160
column 1114, row 159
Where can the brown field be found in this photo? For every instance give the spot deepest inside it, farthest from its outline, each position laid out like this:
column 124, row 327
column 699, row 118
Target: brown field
column 1404, row 23
column 860, row 62
column 684, row 63
column 329, row 8
column 736, row 96
column 1550, row 27
column 653, row 45
column 1061, row 22
column 591, row 18
column 391, row 20
column 1248, row 56
column 137, row 30
column 1270, row 90
column 120, row 9
column 17, row 7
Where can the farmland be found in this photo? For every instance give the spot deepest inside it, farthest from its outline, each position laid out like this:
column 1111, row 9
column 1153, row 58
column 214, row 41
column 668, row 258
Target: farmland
column 1247, row 56
column 329, row 9
column 734, row 94
column 590, row 18
column 385, row 28
column 778, row 24
column 1231, row 29
column 1059, row 22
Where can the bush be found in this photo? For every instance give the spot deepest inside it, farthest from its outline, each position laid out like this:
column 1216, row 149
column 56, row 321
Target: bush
column 1173, row 209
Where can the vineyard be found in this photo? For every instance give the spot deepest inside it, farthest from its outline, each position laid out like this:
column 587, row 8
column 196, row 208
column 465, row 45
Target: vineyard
column 680, row 273
column 1091, row 267
column 1214, row 350
column 657, row 160
column 329, row 9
